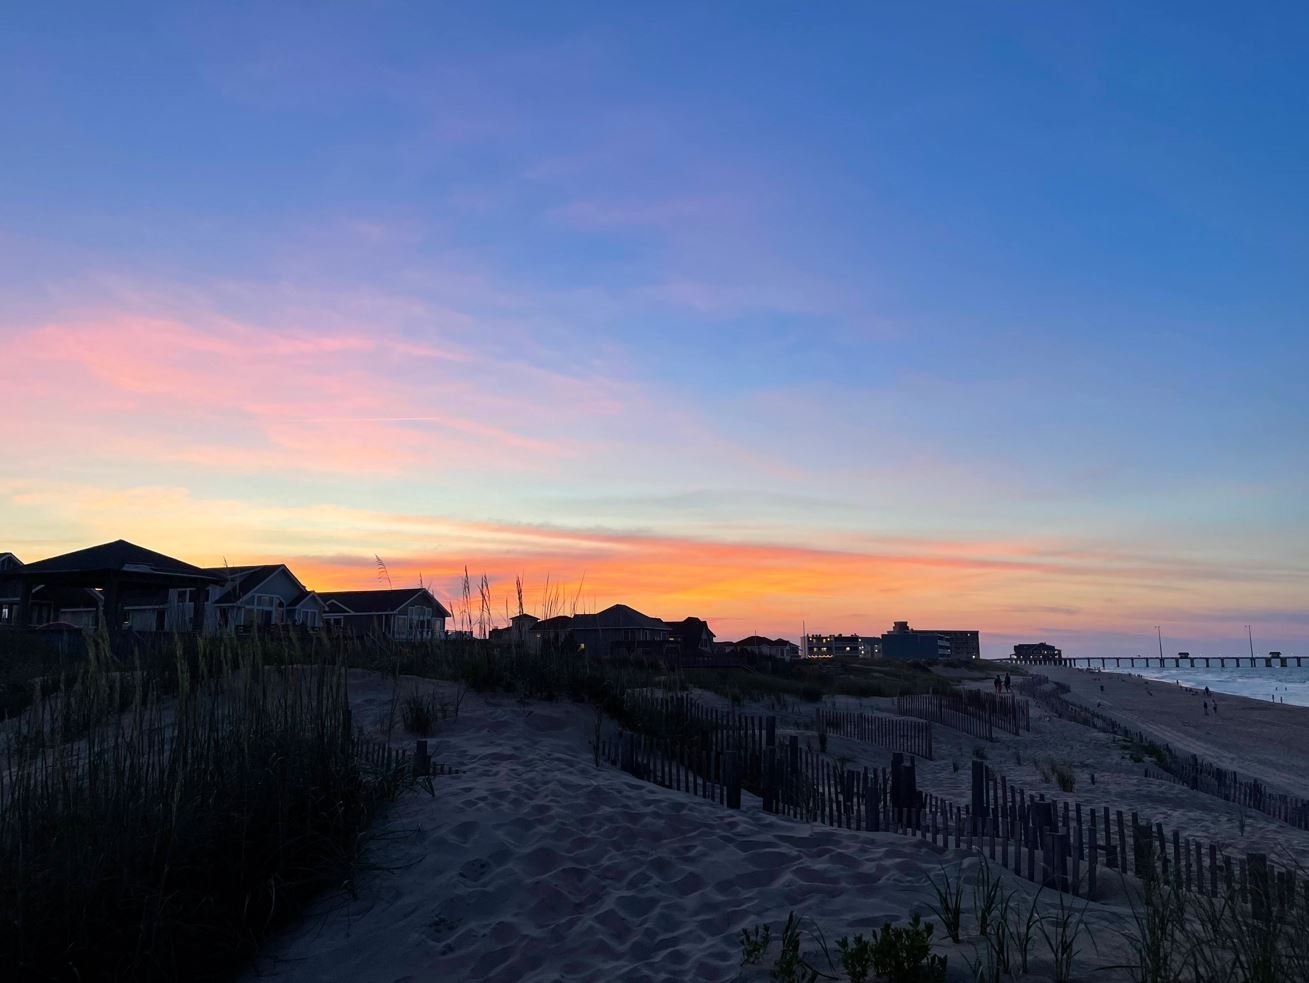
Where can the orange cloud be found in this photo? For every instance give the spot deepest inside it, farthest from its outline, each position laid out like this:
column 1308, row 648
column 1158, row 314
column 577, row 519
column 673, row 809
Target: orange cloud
column 996, row 586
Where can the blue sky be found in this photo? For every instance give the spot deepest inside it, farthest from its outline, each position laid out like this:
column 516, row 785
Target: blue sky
column 869, row 283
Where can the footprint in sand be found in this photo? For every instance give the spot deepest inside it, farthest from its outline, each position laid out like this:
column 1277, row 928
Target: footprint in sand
column 475, row 869
column 443, row 925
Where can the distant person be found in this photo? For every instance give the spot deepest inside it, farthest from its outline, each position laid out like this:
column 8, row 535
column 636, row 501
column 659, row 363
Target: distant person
column 1206, row 708
column 1206, row 692
column 1006, row 682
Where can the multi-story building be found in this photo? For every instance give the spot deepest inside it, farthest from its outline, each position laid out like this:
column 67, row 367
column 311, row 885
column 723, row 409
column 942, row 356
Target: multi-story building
column 963, row 644
column 1038, row 652
column 954, row 643
column 842, row 647
column 906, row 644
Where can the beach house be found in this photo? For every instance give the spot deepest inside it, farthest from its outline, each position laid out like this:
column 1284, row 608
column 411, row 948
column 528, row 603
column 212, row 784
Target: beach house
column 261, row 596
column 763, row 647
column 403, row 614
column 77, row 607
column 124, row 584
column 518, row 633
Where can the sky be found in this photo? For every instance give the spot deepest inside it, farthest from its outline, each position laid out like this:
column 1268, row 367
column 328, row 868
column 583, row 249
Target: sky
column 781, row 315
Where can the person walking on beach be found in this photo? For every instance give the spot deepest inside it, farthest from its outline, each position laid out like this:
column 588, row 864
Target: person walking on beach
column 1006, row 682
column 1206, row 708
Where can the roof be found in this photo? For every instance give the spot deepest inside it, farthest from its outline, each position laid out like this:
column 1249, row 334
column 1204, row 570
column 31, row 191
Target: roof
column 242, row 580
column 524, row 617
column 118, row 557
column 378, row 601
column 617, row 616
column 9, row 562
column 691, row 625
column 760, row 640
column 61, row 597
column 560, row 622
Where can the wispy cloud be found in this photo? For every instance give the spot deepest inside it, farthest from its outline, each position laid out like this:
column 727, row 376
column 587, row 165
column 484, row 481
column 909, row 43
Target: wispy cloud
column 772, row 586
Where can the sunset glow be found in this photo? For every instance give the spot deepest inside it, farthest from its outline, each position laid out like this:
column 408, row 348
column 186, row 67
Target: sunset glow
column 759, row 326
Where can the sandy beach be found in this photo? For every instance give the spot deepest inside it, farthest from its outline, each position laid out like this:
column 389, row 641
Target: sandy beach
column 1263, row 739
column 533, row 863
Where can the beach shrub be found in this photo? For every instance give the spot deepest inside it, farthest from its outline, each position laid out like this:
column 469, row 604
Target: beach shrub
column 754, row 943
column 1178, row 935
column 1061, row 931
column 856, row 957
column 791, row 966
column 988, row 899
column 419, row 713
column 1138, row 749
column 949, row 905
column 1059, row 773
column 903, row 954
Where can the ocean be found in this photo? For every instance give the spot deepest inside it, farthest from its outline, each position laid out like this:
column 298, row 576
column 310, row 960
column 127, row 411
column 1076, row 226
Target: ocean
column 1289, row 685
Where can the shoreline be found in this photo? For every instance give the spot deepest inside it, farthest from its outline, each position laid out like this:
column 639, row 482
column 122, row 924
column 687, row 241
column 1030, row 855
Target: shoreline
column 1258, row 738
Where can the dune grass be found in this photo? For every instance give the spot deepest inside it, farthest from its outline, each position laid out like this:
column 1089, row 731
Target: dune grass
column 148, row 836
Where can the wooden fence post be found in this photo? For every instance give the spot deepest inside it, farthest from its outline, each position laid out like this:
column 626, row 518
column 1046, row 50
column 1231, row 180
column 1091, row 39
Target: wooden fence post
column 422, row 760
column 732, row 778
column 1260, row 896
column 978, row 811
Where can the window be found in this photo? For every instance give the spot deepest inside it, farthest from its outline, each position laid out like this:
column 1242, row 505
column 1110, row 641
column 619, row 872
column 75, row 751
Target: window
column 180, row 610
column 266, row 609
column 416, row 622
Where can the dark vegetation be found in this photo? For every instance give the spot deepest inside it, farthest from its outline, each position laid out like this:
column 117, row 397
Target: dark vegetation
column 898, row 954
column 1138, row 749
column 158, row 821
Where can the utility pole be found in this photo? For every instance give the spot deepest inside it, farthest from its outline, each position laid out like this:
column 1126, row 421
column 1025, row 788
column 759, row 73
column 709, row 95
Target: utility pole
column 1249, row 633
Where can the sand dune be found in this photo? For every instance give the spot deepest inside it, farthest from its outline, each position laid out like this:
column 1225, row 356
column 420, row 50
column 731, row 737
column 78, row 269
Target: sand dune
column 534, row 864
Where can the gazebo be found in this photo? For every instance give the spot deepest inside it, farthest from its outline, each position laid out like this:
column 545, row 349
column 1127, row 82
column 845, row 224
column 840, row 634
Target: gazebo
column 113, row 569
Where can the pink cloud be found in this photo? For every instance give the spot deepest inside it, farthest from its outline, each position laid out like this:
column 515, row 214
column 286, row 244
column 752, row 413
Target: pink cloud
column 223, row 393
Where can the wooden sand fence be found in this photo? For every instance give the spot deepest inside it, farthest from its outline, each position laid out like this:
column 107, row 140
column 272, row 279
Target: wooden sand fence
column 381, row 759
column 680, row 715
column 1076, row 842
column 1195, row 773
column 1065, row 846
column 908, row 736
column 975, row 712
column 1229, row 785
